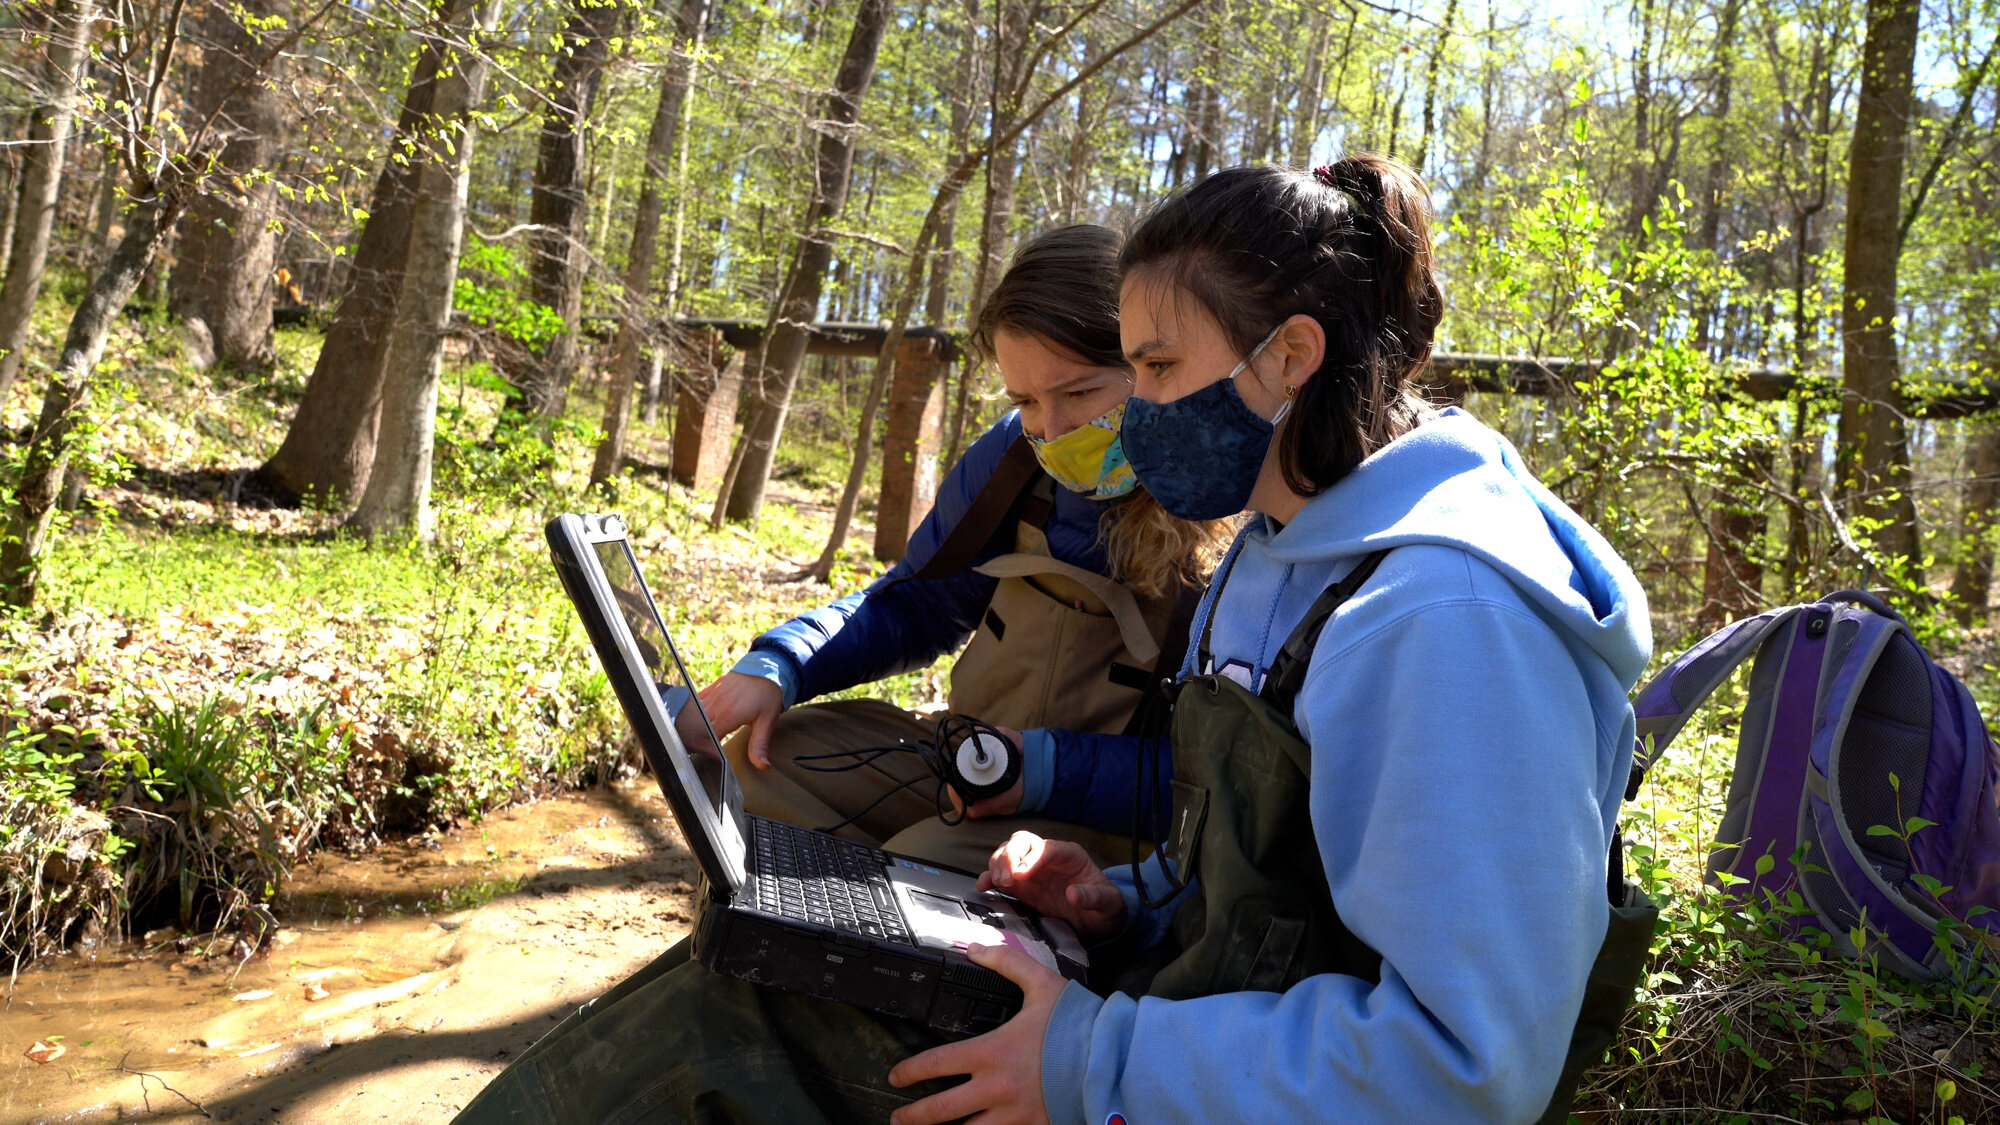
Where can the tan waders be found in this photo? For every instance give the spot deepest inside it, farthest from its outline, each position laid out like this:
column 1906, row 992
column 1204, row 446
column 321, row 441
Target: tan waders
column 902, row 791
column 1058, row 646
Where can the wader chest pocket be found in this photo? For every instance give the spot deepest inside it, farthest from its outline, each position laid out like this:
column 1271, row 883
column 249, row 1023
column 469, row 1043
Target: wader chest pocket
column 1190, row 816
column 1263, row 947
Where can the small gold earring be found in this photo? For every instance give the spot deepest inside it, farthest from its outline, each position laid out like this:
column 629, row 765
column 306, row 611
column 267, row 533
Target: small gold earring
column 1290, row 390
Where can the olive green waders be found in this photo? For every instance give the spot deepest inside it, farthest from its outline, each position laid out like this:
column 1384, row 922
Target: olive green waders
column 1260, row 916
column 675, row 1042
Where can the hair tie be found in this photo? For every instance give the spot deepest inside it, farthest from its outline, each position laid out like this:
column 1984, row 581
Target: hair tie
column 1325, row 174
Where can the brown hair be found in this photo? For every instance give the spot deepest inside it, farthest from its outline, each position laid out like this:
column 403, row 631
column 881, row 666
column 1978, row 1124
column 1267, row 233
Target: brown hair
column 1348, row 245
column 1062, row 286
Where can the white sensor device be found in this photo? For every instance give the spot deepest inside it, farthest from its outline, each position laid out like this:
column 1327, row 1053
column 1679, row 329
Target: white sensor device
column 985, row 764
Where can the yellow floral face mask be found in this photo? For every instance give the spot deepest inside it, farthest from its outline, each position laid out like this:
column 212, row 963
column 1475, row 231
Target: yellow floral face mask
column 1089, row 460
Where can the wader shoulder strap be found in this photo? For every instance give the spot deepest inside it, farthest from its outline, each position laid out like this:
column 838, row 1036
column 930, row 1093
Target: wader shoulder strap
column 1009, row 492
column 1288, row 669
column 1149, row 717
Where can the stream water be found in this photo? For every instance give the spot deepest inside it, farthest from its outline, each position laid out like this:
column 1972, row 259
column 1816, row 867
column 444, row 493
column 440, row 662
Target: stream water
column 398, row 983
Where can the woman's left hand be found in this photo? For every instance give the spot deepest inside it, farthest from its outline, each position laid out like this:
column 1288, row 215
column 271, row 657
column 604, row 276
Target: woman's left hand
column 1004, row 1065
column 1000, row 804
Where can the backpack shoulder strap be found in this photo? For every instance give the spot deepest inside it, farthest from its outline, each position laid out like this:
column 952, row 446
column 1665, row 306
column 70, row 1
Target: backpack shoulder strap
column 1013, row 478
column 1288, row 669
column 1670, row 698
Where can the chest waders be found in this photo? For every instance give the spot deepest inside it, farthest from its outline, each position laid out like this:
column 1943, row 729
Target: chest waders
column 1259, row 916
column 1058, row 645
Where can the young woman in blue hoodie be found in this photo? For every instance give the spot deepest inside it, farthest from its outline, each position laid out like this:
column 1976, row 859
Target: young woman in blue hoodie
column 1395, row 834
column 1399, row 750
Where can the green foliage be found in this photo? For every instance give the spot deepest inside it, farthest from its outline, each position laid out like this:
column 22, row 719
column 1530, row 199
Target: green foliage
column 488, row 293
column 229, row 796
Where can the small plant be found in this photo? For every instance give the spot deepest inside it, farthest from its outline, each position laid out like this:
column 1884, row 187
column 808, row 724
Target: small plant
column 52, row 874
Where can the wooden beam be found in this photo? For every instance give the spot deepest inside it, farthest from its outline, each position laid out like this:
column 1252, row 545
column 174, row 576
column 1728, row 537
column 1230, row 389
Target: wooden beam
column 1450, row 377
column 1453, row 374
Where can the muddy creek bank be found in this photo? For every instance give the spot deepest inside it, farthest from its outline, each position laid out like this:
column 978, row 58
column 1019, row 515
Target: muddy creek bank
column 399, row 983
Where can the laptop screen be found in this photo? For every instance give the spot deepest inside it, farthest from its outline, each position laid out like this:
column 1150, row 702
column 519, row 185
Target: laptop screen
column 601, row 574
column 669, row 675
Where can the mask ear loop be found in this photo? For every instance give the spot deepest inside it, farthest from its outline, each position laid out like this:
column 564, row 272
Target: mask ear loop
column 1286, row 408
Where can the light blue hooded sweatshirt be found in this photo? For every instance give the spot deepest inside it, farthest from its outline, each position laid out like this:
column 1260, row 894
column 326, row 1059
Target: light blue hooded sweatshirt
column 1471, row 739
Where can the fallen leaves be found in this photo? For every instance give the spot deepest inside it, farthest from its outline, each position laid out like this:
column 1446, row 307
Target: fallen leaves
column 44, row 1052
column 314, row 991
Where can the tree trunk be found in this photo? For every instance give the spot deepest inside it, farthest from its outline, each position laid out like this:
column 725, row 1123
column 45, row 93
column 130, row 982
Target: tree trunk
column 397, row 501
column 10, row 201
column 649, row 401
column 1972, row 582
column 330, row 446
column 107, row 205
column 1003, row 162
column 1206, row 93
column 1431, row 84
column 1712, row 204
column 1641, row 189
column 556, row 247
column 1807, row 429
column 1082, row 157
column 1489, row 81
column 798, row 302
column 53, row 441
column 1874, row 447
column 997, row 209
column 223, row 275
column 66, row 24
column 629, row 352
column 1312, row 93
column 943, row 260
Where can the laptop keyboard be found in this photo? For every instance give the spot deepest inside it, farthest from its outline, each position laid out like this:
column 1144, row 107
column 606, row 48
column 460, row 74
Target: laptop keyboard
column 819, row 878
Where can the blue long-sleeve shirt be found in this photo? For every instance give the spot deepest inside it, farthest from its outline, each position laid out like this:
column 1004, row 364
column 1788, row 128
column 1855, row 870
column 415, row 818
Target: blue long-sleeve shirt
column 1470, row 740
column 899, row 623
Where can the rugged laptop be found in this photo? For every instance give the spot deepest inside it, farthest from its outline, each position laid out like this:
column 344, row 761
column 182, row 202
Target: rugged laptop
column 783, row 905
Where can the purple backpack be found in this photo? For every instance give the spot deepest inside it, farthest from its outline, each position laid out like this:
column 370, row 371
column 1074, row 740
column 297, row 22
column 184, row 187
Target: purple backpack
column 1864, row 759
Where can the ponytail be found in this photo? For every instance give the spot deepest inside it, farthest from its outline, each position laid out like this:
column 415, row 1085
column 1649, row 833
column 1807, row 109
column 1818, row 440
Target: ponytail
column 1349, row 245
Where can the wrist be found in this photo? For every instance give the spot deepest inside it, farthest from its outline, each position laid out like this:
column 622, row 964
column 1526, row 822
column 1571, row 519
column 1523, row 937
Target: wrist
column 774, row 667
column 1066, row 1053
column 1038, row 773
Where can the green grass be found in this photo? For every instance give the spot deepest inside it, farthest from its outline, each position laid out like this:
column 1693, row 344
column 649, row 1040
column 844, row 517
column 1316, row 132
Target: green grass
column 135, row 572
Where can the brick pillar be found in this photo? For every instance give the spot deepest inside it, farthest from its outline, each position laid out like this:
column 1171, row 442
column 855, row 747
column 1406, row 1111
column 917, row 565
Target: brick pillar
column 910, row 448
column 705, row 416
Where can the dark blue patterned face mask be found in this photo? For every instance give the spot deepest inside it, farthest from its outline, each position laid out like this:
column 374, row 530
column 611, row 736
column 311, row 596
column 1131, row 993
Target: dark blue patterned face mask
column 1200, row 454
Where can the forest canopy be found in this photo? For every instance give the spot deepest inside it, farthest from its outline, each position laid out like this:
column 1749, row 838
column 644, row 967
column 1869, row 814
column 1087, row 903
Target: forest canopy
column 1707, row 226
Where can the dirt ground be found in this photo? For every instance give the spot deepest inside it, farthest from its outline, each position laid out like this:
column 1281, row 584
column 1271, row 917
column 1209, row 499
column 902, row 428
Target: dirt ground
column 400, row 983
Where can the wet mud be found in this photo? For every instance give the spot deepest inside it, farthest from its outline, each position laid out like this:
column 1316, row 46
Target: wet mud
column 398, row 983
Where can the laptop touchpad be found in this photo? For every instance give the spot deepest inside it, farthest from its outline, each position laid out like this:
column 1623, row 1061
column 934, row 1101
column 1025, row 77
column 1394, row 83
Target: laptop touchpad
column 940, row 919
column 946, row 909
